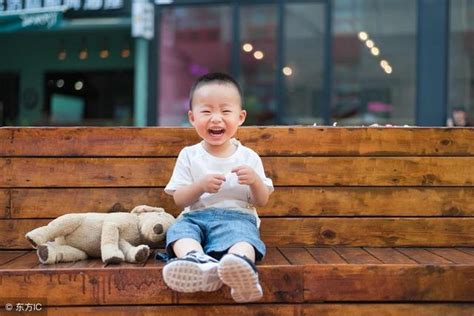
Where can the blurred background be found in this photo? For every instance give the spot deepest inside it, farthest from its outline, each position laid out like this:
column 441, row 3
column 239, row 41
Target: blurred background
column 131, row 63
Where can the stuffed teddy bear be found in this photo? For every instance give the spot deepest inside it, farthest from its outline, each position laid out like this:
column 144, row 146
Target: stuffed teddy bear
column 115, row 237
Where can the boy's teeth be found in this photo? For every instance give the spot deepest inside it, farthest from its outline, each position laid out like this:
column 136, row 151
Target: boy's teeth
column 216, row 131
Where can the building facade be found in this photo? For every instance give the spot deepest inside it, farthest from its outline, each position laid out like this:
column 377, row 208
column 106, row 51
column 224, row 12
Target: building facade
column 349, row 62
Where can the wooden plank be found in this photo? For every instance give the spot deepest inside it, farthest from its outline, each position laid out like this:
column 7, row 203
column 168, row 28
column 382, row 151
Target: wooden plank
column 5, row 203
column 436, row 309
column 85, row 172
column 7, row 256
column 371, row 232
column 370, row 201
column 294, row 140
column 134, row 286
column 469, row 251
column 25, row 262
column 297, row 255
column 284, row 171
column 291, row 232
column 51, row 203
column 389, row 256
column 194, row 310
column 419, row 309
column 379, row 171
column 326, row 255
column 387, row 282
column 99, row 141
column 356, row 255
column 423, row 256
column 453, row 255
column 6, row 141
column 285, row 201
column 274, row 257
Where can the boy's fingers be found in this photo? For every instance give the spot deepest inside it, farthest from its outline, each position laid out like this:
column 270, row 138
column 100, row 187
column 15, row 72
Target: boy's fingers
column 219, row 177
column 237, row 169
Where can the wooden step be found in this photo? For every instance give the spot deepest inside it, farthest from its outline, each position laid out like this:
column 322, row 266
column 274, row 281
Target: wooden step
column 288, row 275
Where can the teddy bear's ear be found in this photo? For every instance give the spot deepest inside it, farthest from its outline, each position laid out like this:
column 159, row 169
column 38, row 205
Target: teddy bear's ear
column 146, row 208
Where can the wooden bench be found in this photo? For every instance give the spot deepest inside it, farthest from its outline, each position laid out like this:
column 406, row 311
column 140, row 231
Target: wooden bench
column 373, row 221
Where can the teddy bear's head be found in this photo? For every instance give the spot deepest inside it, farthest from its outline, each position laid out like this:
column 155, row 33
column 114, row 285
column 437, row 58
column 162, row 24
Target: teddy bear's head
column 153, row 223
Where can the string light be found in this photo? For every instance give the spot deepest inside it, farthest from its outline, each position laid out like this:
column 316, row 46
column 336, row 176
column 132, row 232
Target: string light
column 258, row 54
column 247, row 47
column 83, row 53
column 62, row 51
column 104, row 52
column 125, row 52
column 287, row 71
column 374, row 50
column 78, row 85
column 363, row 36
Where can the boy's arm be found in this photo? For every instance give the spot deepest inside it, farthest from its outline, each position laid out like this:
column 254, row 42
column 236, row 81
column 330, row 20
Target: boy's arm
column 187, row 195
column 259, row 192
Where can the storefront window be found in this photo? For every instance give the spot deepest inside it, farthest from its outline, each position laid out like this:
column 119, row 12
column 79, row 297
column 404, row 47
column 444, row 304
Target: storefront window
column 194, row 41
column 461, row 62
column 258, row 53
column 374, row 62
column 303, row 68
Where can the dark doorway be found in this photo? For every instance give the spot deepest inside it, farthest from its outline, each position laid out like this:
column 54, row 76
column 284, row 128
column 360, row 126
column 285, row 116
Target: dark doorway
column 9, row 100
column 102, row 98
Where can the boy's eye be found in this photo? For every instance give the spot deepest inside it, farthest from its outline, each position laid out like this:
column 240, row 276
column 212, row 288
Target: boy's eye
column 205, row 111
column 227, row 111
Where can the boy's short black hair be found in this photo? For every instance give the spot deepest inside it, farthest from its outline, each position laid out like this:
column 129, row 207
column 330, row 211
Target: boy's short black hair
column 213, row 77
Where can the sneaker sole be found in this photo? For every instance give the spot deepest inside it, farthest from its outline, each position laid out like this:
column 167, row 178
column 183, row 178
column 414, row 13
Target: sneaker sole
column 241, row 278
column 188, row 277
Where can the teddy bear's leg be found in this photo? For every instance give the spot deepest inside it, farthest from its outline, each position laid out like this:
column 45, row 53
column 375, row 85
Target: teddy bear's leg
column 134, row 254
column 51, row 253
column 60, row 226
column 109, row 244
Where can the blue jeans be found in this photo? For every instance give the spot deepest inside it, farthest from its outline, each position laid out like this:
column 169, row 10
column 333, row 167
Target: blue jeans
column 216, row 230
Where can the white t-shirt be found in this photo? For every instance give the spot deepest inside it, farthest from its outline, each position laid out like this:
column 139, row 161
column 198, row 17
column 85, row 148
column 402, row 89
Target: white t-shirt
column 194, row 162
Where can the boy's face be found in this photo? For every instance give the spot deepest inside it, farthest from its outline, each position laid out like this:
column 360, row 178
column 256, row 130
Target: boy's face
column 216, row 113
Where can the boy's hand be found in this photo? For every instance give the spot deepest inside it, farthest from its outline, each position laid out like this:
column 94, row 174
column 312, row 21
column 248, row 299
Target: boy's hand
column 211, row 183
column 245, row 174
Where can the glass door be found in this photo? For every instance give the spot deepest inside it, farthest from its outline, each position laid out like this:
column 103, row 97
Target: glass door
column 194, row 40
column 304, row 41
column 275, row 49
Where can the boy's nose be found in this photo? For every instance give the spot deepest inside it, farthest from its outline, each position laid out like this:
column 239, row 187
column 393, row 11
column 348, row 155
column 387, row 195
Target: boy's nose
column 216, row 117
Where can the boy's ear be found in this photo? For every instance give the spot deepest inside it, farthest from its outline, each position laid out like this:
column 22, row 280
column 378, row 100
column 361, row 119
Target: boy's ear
column 242, row 116
column 191, row 117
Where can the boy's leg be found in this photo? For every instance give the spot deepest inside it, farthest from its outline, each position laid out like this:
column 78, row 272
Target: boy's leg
column 244, row 249
column 238, row 271
column 192, row 270
column 184, row 246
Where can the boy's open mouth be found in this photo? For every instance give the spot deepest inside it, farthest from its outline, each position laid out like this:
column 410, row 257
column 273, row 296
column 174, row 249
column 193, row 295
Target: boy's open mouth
column 216, row 131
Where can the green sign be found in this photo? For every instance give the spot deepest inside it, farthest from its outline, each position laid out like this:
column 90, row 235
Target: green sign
column 31, row 19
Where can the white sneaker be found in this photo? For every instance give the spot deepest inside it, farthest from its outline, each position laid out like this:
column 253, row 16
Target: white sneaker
column 240, row 274
column 192, row 273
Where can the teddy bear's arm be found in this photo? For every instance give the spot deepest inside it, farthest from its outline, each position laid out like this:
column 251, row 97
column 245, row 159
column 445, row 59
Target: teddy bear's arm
column 109, row 244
